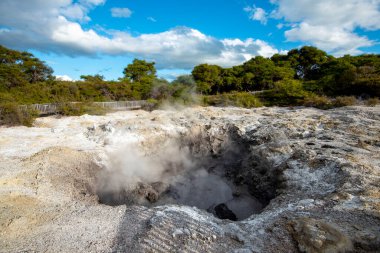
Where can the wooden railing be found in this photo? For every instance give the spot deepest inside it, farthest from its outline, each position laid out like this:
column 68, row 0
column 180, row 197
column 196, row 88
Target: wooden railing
column 42, row 109
column 121, row 105
column 46, row 109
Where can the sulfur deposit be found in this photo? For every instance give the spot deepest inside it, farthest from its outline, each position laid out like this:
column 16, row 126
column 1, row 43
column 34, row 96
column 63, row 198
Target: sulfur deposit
column 193, row 180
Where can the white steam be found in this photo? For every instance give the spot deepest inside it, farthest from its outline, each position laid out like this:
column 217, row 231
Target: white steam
column 170, row 175
column 129, row 166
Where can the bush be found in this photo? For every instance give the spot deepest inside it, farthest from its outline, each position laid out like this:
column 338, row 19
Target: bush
column 12, row 114
column 91, row 109
column 184, row 95
column 151, row 104
column 285, row 93
column 240, row 99
column 77, row 109
column 290, row 88
column 345, row 101
column 321, row 102
column 372, row 101
column 70, row 109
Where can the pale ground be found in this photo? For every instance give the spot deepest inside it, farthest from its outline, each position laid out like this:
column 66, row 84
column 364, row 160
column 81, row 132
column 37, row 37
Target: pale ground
column 326, row 165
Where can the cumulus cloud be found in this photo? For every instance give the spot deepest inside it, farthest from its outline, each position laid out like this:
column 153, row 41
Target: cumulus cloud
column 180, row 47
column 334, row 39
column 93, row 2
column 78, row 11
column 121, row 12
column 63, row 78
column 330, row 24
column 256, row 13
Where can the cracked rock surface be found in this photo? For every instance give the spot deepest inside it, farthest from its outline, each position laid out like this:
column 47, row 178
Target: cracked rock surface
column 316, row 172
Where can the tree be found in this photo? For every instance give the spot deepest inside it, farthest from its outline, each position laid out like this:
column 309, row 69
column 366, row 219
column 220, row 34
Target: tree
column 346, row 76
column 141, row 74
column 36, row 70
column 307, row 61
column 161, row 89
column 207, row 78
column 139, row 70
column 259, row 73
column 93, row 79
column 12, row 76
column 19, row 68
column 187, row 80
column 282, row 60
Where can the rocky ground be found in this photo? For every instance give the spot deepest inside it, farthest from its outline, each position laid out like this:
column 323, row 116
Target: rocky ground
column 317, row 174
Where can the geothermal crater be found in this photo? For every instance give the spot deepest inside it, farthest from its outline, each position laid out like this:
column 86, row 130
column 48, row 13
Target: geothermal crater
column 197, row 170
column 193, row 180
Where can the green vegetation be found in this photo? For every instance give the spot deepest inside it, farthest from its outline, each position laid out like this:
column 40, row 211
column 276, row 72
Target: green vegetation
column 20, row 68
column 306, row 76
column 12, row 114
column 317, row 71
column 372, row 101
column 240, row 99
column 77, row 109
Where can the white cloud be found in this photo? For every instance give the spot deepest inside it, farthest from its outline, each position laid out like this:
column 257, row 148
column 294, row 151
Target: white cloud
column 75, row 12
column 63, row 78
column 180, row 47
column 256, row 13
column 78, row 11
column 151, row 19
column 334, row 39
column 344, row 13
column 92, row 2
column 260, row 15
column 330, row 24
column 121, row 12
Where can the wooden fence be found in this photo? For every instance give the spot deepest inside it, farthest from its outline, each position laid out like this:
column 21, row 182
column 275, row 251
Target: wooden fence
column 46, row 109
column 121, row 105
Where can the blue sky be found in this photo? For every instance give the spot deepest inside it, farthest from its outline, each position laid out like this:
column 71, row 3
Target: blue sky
column 103, row 36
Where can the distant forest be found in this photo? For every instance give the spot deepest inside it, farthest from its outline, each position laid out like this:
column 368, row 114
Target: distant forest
column 306, row 76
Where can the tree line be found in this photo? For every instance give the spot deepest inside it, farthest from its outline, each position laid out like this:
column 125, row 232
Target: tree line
column 317, row 71
column 285, row 79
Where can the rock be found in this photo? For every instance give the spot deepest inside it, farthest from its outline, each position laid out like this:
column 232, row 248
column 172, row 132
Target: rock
column 147, row 191
column 318, row 236
column 223, row 212
column 152, row 196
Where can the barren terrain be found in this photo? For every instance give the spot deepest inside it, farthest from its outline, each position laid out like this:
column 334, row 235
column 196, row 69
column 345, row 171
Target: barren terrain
column 193, row 180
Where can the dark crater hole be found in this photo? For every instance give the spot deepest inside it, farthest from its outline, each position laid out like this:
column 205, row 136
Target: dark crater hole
column 218, row 173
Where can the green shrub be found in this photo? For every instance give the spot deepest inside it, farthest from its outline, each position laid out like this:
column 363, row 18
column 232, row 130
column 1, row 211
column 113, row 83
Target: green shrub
column 290, row 88
column 321, row 102
column 91, row 109
column 77, row 109
column 70, row 109
column 285, row 93
column 151, row 104
column 345, row 101
column 12, row 114
column 240, row 99
column 372, row 101
column 184, row 95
